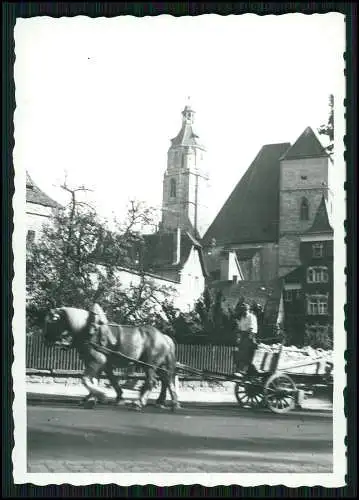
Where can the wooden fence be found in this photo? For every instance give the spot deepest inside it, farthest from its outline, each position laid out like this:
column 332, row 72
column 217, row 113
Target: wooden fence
column 209, row 357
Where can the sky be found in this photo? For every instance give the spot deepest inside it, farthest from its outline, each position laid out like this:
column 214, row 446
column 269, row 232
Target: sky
column 99, row 99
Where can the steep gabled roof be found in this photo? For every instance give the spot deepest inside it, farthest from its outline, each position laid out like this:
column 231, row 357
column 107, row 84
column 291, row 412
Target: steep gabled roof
column 321, row 223
column 306, row 146
column 251, row 213
column 35, row 195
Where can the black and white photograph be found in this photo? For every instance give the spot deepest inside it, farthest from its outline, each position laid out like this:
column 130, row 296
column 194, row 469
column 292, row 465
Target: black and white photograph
column 179, row 250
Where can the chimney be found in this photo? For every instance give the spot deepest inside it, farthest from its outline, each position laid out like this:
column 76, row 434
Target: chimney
column 177, row 257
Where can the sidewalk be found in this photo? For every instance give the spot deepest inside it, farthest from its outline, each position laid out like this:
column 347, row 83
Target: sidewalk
column 61, row 392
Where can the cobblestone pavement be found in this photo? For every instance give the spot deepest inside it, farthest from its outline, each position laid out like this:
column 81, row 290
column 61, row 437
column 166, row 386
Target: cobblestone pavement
column 168, row 465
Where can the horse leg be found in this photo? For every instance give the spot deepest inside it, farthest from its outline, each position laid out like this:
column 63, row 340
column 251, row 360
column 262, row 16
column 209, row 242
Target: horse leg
column 173, row 391
column 146, row 388
column 90, row 380
column 114, row 381
column 161, row 400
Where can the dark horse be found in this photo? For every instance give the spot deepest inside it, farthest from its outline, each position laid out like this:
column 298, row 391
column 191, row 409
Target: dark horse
column 103, row 346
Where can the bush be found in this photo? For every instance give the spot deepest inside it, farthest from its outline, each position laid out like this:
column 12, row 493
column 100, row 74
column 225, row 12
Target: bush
column 319, row 337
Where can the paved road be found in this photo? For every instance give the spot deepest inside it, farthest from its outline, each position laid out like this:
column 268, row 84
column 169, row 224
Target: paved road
column 199, row 438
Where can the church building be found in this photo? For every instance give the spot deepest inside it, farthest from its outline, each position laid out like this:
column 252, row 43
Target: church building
column 273, row 204
column 277, row 221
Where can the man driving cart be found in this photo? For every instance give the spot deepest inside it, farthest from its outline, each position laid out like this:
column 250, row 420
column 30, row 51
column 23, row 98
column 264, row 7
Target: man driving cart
column 246, row 336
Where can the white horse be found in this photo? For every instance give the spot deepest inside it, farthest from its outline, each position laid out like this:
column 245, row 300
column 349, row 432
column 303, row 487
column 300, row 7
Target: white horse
column 117, row 345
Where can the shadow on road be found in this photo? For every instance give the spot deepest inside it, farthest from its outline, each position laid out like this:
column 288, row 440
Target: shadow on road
column 136, row 439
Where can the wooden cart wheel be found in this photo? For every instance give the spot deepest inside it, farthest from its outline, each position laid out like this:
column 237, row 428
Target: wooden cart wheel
column 280, row 393
column 249, row 393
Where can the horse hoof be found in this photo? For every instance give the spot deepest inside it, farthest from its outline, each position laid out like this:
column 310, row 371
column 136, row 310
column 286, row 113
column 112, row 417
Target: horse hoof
column 161, row 405
column 89, row 404
column 134, row 405
column 120, row 402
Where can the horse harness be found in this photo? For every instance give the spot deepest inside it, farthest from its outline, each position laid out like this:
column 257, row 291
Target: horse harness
column 105, row 350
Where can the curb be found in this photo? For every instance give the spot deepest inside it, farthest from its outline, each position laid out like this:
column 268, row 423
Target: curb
column 40, row 397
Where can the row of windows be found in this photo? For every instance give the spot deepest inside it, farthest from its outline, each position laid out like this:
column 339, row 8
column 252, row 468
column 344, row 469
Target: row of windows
column 292, row 295
column 317, row 274
column 316, row 304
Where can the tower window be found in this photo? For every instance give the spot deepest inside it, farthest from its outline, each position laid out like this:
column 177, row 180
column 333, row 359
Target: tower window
column 304, row 209
column 317, row 250
column 173, row 188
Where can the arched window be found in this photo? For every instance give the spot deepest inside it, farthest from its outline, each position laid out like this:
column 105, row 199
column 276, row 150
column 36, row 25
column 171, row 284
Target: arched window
column 173, row 188
column 304, row 209
column 318, row 274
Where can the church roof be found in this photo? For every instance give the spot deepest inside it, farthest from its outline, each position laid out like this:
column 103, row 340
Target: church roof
column 251, row 213
column 35, row 195
column 306, row 146
column 186, row 137
column 321, row 223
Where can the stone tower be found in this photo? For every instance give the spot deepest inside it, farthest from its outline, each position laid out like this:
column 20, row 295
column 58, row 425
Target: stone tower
column 185, row 183
column 304, row 179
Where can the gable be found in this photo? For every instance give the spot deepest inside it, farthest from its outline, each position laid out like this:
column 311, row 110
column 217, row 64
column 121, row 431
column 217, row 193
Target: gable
column 306, row 146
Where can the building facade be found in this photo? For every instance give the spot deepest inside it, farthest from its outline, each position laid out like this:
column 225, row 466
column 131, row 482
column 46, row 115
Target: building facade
column 277, row 222
column 273, row 204
column 309, row 289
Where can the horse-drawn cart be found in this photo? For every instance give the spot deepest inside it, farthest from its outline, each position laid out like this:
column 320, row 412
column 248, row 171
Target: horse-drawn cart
column 279, row 388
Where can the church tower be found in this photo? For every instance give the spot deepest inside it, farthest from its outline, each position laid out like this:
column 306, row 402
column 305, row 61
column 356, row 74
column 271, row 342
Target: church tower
column 304, row 180
column 185, row 183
